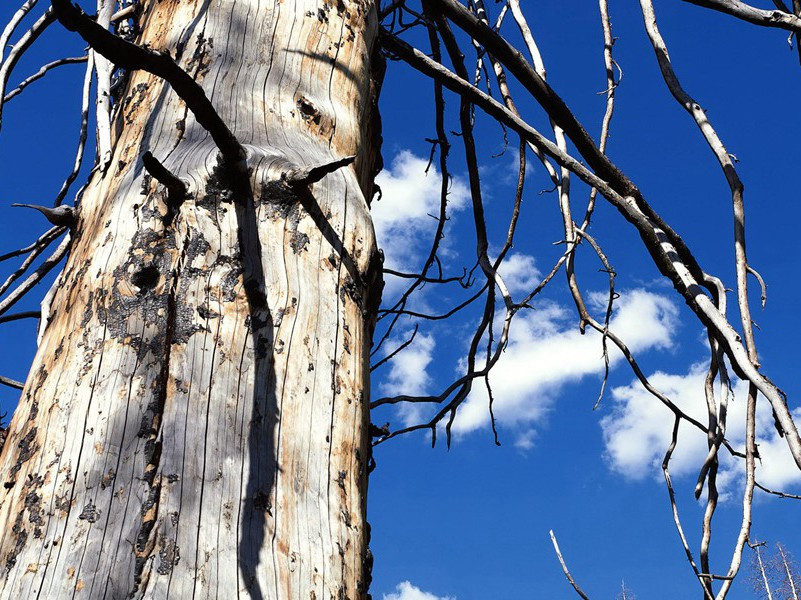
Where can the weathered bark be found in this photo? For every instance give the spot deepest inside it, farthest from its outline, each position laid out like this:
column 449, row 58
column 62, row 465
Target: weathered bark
column 194, row 420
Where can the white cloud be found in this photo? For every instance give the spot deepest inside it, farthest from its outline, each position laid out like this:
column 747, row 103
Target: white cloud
column 409, row 196
column 408, row 372
column 546, row 351
column 638, row 432
column 407, row 591
column 520, row 273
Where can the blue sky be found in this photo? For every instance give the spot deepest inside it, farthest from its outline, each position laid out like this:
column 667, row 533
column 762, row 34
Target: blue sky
column 472, row 522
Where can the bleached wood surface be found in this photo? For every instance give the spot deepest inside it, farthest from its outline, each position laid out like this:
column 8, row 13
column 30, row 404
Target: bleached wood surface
column 173, row 441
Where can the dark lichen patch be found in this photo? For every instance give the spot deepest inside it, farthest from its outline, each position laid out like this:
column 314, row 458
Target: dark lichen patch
column 89, row 513
column 207, row 313
column 62, row 503
column 145, row 188
column 21, row 534
column 149, row 211
column 184, row 323
column 34, row 507
column 27, row 448
column 88, row 311
column 33, row 501
column 351, row 290
column 298, row 241
column 147, row 260
column 169, row 556
column 196, row 245
column 278, row 199
column 132, row 102
column 230, row 281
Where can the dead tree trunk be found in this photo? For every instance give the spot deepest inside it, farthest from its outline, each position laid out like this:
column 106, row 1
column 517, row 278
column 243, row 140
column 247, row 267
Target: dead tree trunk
column 177, row 438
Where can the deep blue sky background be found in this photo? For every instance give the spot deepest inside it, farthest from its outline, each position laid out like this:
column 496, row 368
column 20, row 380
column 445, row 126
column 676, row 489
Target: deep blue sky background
column 472, row 522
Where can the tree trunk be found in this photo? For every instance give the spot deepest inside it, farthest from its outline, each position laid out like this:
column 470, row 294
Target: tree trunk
column 183, row 434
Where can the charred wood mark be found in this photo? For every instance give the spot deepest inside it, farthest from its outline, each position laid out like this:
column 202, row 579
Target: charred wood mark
column 151, row 427
column 201, row 58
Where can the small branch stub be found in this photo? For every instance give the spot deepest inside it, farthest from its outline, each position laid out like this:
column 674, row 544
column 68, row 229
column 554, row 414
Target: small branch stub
column 305, row 176
column 61, row 216
column 176, row 189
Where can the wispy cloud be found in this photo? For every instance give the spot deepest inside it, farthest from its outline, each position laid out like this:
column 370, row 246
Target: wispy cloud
column 546, row 351
column 638, row 432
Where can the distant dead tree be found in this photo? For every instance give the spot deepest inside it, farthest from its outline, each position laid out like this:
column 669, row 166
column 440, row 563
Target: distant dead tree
column 625, row 593
column 775, row 576
column 196, row 419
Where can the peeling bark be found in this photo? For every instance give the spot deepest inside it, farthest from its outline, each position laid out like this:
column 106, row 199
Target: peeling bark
column 195, row 420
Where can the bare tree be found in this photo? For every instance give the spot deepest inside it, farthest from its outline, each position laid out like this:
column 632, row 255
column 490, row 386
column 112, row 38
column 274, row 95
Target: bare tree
column 762, row 572
column 775, row 575
column 625, row 593
column 197, row 414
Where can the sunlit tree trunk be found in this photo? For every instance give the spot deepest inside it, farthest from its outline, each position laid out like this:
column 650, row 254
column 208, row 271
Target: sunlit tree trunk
column 176, row 438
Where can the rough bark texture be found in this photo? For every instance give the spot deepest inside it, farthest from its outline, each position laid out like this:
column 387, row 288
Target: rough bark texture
column 194, row 421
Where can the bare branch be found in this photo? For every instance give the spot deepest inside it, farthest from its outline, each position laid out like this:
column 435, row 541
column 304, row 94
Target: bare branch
column 17, row 385
column 662, row 243
column 104, row 70
column 31, row 314
column 775, row 493
column 47, row 19
column 397, row 350
column 44, row 70
column 176, row 188
column 43, row 239
column 767, row 18
column 36, row 276
column 564, row 567
column 757, row 548
column 82, row 135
